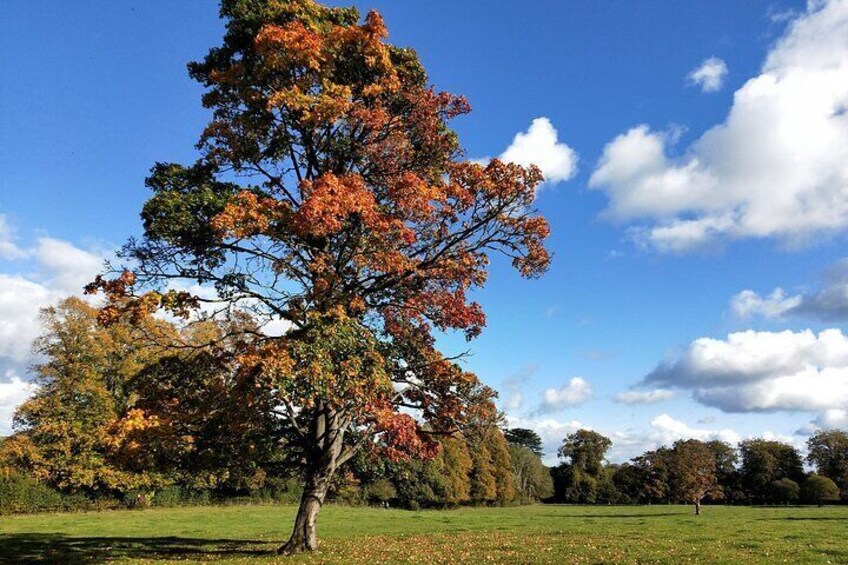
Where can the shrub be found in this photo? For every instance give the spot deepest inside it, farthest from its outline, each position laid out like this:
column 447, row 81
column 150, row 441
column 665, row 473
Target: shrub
column 21, row 493
column 169, row 496
column 817, row 489
column 277, row 489
column 138, row 499
column 380, row 492
column 785, row 491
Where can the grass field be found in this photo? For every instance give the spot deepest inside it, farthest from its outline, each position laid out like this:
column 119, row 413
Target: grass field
column 529, row 534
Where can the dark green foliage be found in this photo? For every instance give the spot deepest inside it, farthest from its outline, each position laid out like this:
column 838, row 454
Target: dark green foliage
column 524, row 437
column 817, row 490
column 22, row 494
column 580, row 477
column 533, row 480
column 765, row 461
column 829, row 453
column 785, row 491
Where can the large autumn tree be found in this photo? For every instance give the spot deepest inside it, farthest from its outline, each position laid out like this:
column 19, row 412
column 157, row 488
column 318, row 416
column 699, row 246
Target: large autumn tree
column 332, row 195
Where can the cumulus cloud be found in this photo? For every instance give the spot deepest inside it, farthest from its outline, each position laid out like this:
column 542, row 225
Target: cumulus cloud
column 551, row 431
column 776, row 167
column 644, row 396
column 577, row 391
column 50, row 270
column 835, row 418
column 828, row 303
column 540, row 146
column 663, row 430
column 513, row 387
column 8, row 248
column 12, row 393
column 762, row 371
column 748, row 303
column 710, row 75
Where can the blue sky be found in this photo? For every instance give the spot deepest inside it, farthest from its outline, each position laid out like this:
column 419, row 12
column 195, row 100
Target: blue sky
column 684, row 193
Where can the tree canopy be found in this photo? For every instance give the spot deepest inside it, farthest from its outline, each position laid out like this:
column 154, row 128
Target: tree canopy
column 331, row 194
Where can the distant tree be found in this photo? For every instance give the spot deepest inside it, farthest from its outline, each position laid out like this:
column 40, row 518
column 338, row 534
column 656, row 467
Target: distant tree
column 524, row 437
column 585, row 450
column 532, row 478
column 380, row 492
column 629, row 480
column 501, row 465
column 817, row 490
column 765, row 461
column 64, row 432
column 655, row 469
column 483, row 486
column 785, row 491
column 828, row 451
column 453, row 467
column 726, row 457
column 693, row 472
column 608, row 492
column 331, row 193
column 579, row 477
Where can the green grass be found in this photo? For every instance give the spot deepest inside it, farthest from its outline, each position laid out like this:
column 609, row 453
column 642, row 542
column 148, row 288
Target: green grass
column 529, row 534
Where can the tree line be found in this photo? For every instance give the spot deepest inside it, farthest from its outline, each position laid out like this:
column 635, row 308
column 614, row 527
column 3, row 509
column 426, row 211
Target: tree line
column 141, row 412
column 757, row 471
column 120, row 417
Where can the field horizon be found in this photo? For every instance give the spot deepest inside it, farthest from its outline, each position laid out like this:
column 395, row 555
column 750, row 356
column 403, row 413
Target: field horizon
column 523, row 534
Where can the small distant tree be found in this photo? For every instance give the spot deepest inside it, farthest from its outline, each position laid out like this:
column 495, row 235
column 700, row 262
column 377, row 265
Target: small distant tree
column 64, row 432
column 585, row 450
column 765, row 461
column 532, row 478
column 654, row 468
column 817, row 490
column 578, row 478
column 829, row 453
column 785, row 491
column 629, row 481
column 524, row 437
column 693, row 472
column 726, row 457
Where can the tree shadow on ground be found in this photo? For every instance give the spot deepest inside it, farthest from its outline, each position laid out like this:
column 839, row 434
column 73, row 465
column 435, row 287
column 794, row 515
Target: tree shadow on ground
column 806, row 519
column 20, row 549
column 620, row 515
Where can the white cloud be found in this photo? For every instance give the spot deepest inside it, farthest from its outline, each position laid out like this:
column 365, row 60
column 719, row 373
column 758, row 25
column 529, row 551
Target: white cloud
column 835, row 418
column 513, row 385
column 8, row 248
column 12, row 393
column 20, row 301
column 551, row 431
column 577, row 391
column 829, row 302
column 763, row 371
column 663, row 430
column 710, row 75
column 644, row 397
column 667, row 430
column 777, row 167
column 67, row 268
column 748, row 303
column 54, row 269
column 540, row 146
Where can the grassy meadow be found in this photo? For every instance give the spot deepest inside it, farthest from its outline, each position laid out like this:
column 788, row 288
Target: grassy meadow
column 529, row 534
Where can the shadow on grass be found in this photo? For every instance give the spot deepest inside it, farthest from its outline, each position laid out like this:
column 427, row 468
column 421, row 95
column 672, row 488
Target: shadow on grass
column 20, row 549
column 807, row 519
column 618, row 515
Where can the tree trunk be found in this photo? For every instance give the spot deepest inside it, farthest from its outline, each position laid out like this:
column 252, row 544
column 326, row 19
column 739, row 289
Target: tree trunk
column 320, row 473
column 304, row 535
column 698, row 507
